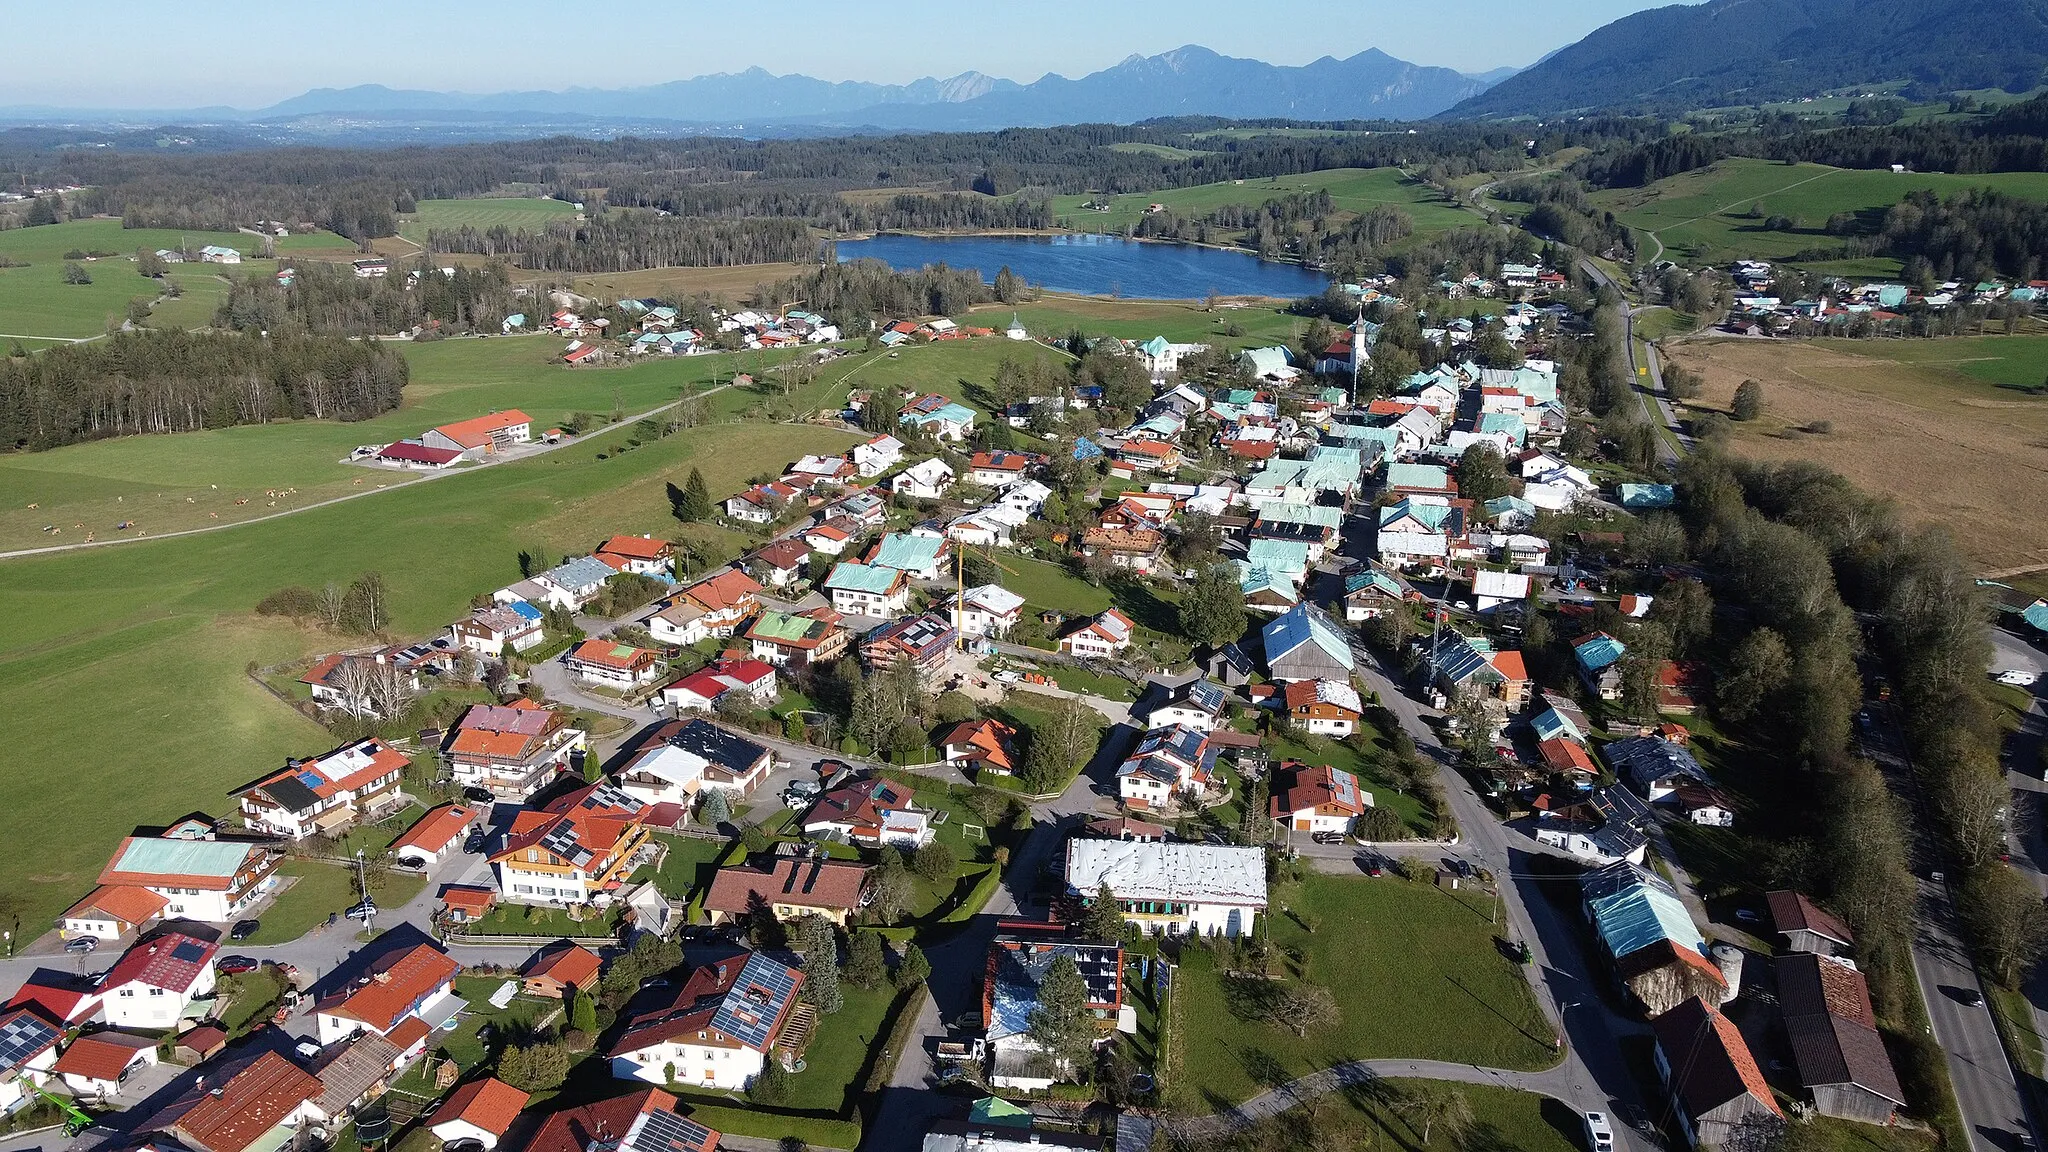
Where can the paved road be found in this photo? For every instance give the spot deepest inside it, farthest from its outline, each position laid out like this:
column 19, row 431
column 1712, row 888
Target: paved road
column 1646, row 375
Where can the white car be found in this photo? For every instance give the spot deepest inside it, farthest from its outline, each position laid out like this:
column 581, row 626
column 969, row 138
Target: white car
column 2016, row 677
column 1599, row 1132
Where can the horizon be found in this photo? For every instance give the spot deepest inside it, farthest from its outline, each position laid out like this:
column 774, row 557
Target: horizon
column 463, row 47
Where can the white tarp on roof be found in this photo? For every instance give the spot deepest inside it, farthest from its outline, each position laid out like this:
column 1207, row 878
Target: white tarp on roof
column 1184, row 873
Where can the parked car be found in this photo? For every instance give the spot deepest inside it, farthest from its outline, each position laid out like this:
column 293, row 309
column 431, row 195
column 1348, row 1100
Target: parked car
column 2017, row 678
column 307, row 1049
column 235, row 965
column 1971, row 997
column 244, row 929
column 478, row 795
column 1599, row 1133
column 476, row 842
column 1327, row 837
column 80, row 945
column 1463, row 868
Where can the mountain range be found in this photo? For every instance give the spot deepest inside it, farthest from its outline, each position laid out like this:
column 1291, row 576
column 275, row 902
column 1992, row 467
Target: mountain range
column 1733, row 52
column 1188, row 81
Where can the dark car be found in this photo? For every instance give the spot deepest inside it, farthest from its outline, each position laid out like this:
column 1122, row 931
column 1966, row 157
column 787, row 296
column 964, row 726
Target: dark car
column 1971, row 996
column 1463, row 868
column 476, row 842
column 80, row 945
column 234, row 965
column 363, row 911
column 244, row 929
column 1327, row 837
column 478, row 795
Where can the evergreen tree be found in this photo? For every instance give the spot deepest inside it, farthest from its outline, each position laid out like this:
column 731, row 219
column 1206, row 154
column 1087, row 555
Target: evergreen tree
column 1103, row 918
column 913, row 969
column 695, row 502
column 716, row 809
column 582, row 1012
column 865, row 966
column 1749, row 401
column 1061, row 1025
column 818, row 942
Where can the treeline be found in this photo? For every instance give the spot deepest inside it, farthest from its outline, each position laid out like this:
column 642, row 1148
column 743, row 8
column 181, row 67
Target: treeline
column 1297, row 225
column 2014, row 139
column 859, row 292
column 822, row 207
column 331, row 300
column 625, row 241
column 175, row 381
column 1564, row 213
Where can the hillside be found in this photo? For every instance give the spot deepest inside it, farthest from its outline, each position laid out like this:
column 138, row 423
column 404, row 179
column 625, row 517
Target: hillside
column 1751, row 51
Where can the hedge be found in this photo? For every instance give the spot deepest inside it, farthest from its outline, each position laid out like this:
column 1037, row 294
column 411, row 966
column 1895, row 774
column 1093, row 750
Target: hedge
column 977, row 897
column 908, row 1007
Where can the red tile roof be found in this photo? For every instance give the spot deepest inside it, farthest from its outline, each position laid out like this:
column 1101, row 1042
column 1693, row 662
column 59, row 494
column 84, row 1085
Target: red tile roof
column 396, row 984
column 476, row 431
column 436, row 830
column 489, row 1104
column 102, row 1055
column 122, row 902
column 468, row 897
column 172, row 961
column 570, row 964
column 1564, row 755
column 1714, row 1063
column 636, row 547
column 803, row 883
column 578, row 1129
column 990, row 742
column 255, row 1100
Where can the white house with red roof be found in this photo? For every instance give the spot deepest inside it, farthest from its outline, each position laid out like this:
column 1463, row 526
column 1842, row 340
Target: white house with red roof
column 1107, row 635
column 435, row 836
column 643, row 555
column 111, row 912
column 1316, row 798
column 482, row 436
column 874, row 811
column 720, row 1028
column 481, row 1110
column 97, row 1065
column 401, row 996
column 153, row 982
column 700, row 691
column 324, row 794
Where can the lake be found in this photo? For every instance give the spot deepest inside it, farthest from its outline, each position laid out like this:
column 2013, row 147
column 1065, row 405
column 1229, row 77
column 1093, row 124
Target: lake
column 1097, row 265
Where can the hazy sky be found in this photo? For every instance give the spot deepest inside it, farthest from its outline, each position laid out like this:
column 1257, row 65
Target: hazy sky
column 152, row 53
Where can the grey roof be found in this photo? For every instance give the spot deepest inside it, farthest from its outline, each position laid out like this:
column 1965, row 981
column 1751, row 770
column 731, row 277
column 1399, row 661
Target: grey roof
column 1644, row 760
column 728, row 750
column 1306, row 624
column 582, row 571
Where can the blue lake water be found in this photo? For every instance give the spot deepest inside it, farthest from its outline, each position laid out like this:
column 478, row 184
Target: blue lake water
column 1097, row 265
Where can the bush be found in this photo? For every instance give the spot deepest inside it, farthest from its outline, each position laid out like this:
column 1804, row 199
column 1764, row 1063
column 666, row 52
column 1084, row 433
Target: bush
column 292, row 600
column 1380, row 825
column 1749, row 401
column 771, row 1086
column 534, row 1068
column 934, row 861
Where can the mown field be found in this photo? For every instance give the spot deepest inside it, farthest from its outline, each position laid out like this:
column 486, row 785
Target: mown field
column 1353, row 189
column 1921, row 421
column 514, row 212
column 35, row 301
column 734, row 285
column 1055, row 316
column 1704, row 216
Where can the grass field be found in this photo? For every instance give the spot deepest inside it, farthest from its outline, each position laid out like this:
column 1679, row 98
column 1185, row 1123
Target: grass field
column 1353, row 189
column 1133, row 320
column 318, row 889
column 1415, row 972
column 1163, row 151
column 515, row 212
column 1703, row 216
column 1920, row 421
column 734, row 285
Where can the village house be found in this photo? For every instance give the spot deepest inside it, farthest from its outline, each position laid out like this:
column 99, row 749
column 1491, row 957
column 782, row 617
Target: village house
column 153, row 982
column 1598, row 656
column 865, row 590
column 833, row 536
column 1323, row 707
column 1304, row 644
column 614, row 665
column 1103, row 637
column 325, row 794
column 752, row 682
column 812, row 472
column 678, row 759
column 925, row 641
column 713, row 606
column 30, row 1056
column 1654, row 766
column 403, row 995
column 1658, row 954
column 780, row 563
column 720, row 1027
column 999, row 469
column 871, row 812
column 643, row 1121
column 97, row 1064
column 984, row 746
column 482, row 436
column 989, row 610
column 197, row 876
column 1197, row 704
column 559, row 970
column 916, row 556
column 797, row 640
column 1316, row 798
column 511, row 750
column 642, row 555
column 1370, row 593
column 935, row 416
column 1176, row 889
column 354, row 684
column 876, row 456
column 1140, row 550
column 480, row 1110
column 1717, row 1091
column 1167, row 763
column 435, row 836
column 110, row 913
column 762, row 503
column 1018, row 960
column 566, row 587
column 491, row 631
column 788, row 889
column 262, row 1106
column 577, row 850
column 1806, row 927
column 927, row 480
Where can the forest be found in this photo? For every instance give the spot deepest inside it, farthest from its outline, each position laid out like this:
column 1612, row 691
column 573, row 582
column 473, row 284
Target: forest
column 623, row 241
column 329, row 300
column 175, row 381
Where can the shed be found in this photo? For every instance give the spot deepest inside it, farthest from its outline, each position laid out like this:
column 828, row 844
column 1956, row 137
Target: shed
column 1806, row 927
column 200, row 1045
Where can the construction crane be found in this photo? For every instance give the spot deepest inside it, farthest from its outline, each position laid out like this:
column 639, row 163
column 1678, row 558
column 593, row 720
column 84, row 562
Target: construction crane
column 75, row 1121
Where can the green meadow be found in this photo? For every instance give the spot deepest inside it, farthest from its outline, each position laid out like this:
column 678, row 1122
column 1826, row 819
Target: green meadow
column 514, row 212
column 1353, row 189
column 2019, row 361
column 1704, row 216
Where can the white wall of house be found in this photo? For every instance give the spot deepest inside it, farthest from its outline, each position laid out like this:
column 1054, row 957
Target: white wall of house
column 519, row 886
column 143, row 1006
column 701, row 1065
column 852, row 602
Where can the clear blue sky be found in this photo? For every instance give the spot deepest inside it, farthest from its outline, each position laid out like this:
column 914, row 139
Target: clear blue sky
column 146, row 53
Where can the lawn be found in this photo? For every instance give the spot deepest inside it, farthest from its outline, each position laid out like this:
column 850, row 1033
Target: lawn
column 1044, row 584
column 532, row 920
column 1089, row 682
column 518, row 213
column 687, row 868
column 734, row 284
column 319, row 890
column 1381, row 1114
column 1353, row 191
column 1416, row 973
column 462, row 1044
column 835, row 1069
column 1704, row 215
column 1057, row 316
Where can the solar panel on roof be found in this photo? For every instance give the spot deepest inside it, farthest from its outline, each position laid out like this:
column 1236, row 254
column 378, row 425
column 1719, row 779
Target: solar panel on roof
column 190, row 951
column 762, row 977
column 22, row 1037
column 665, row 1130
